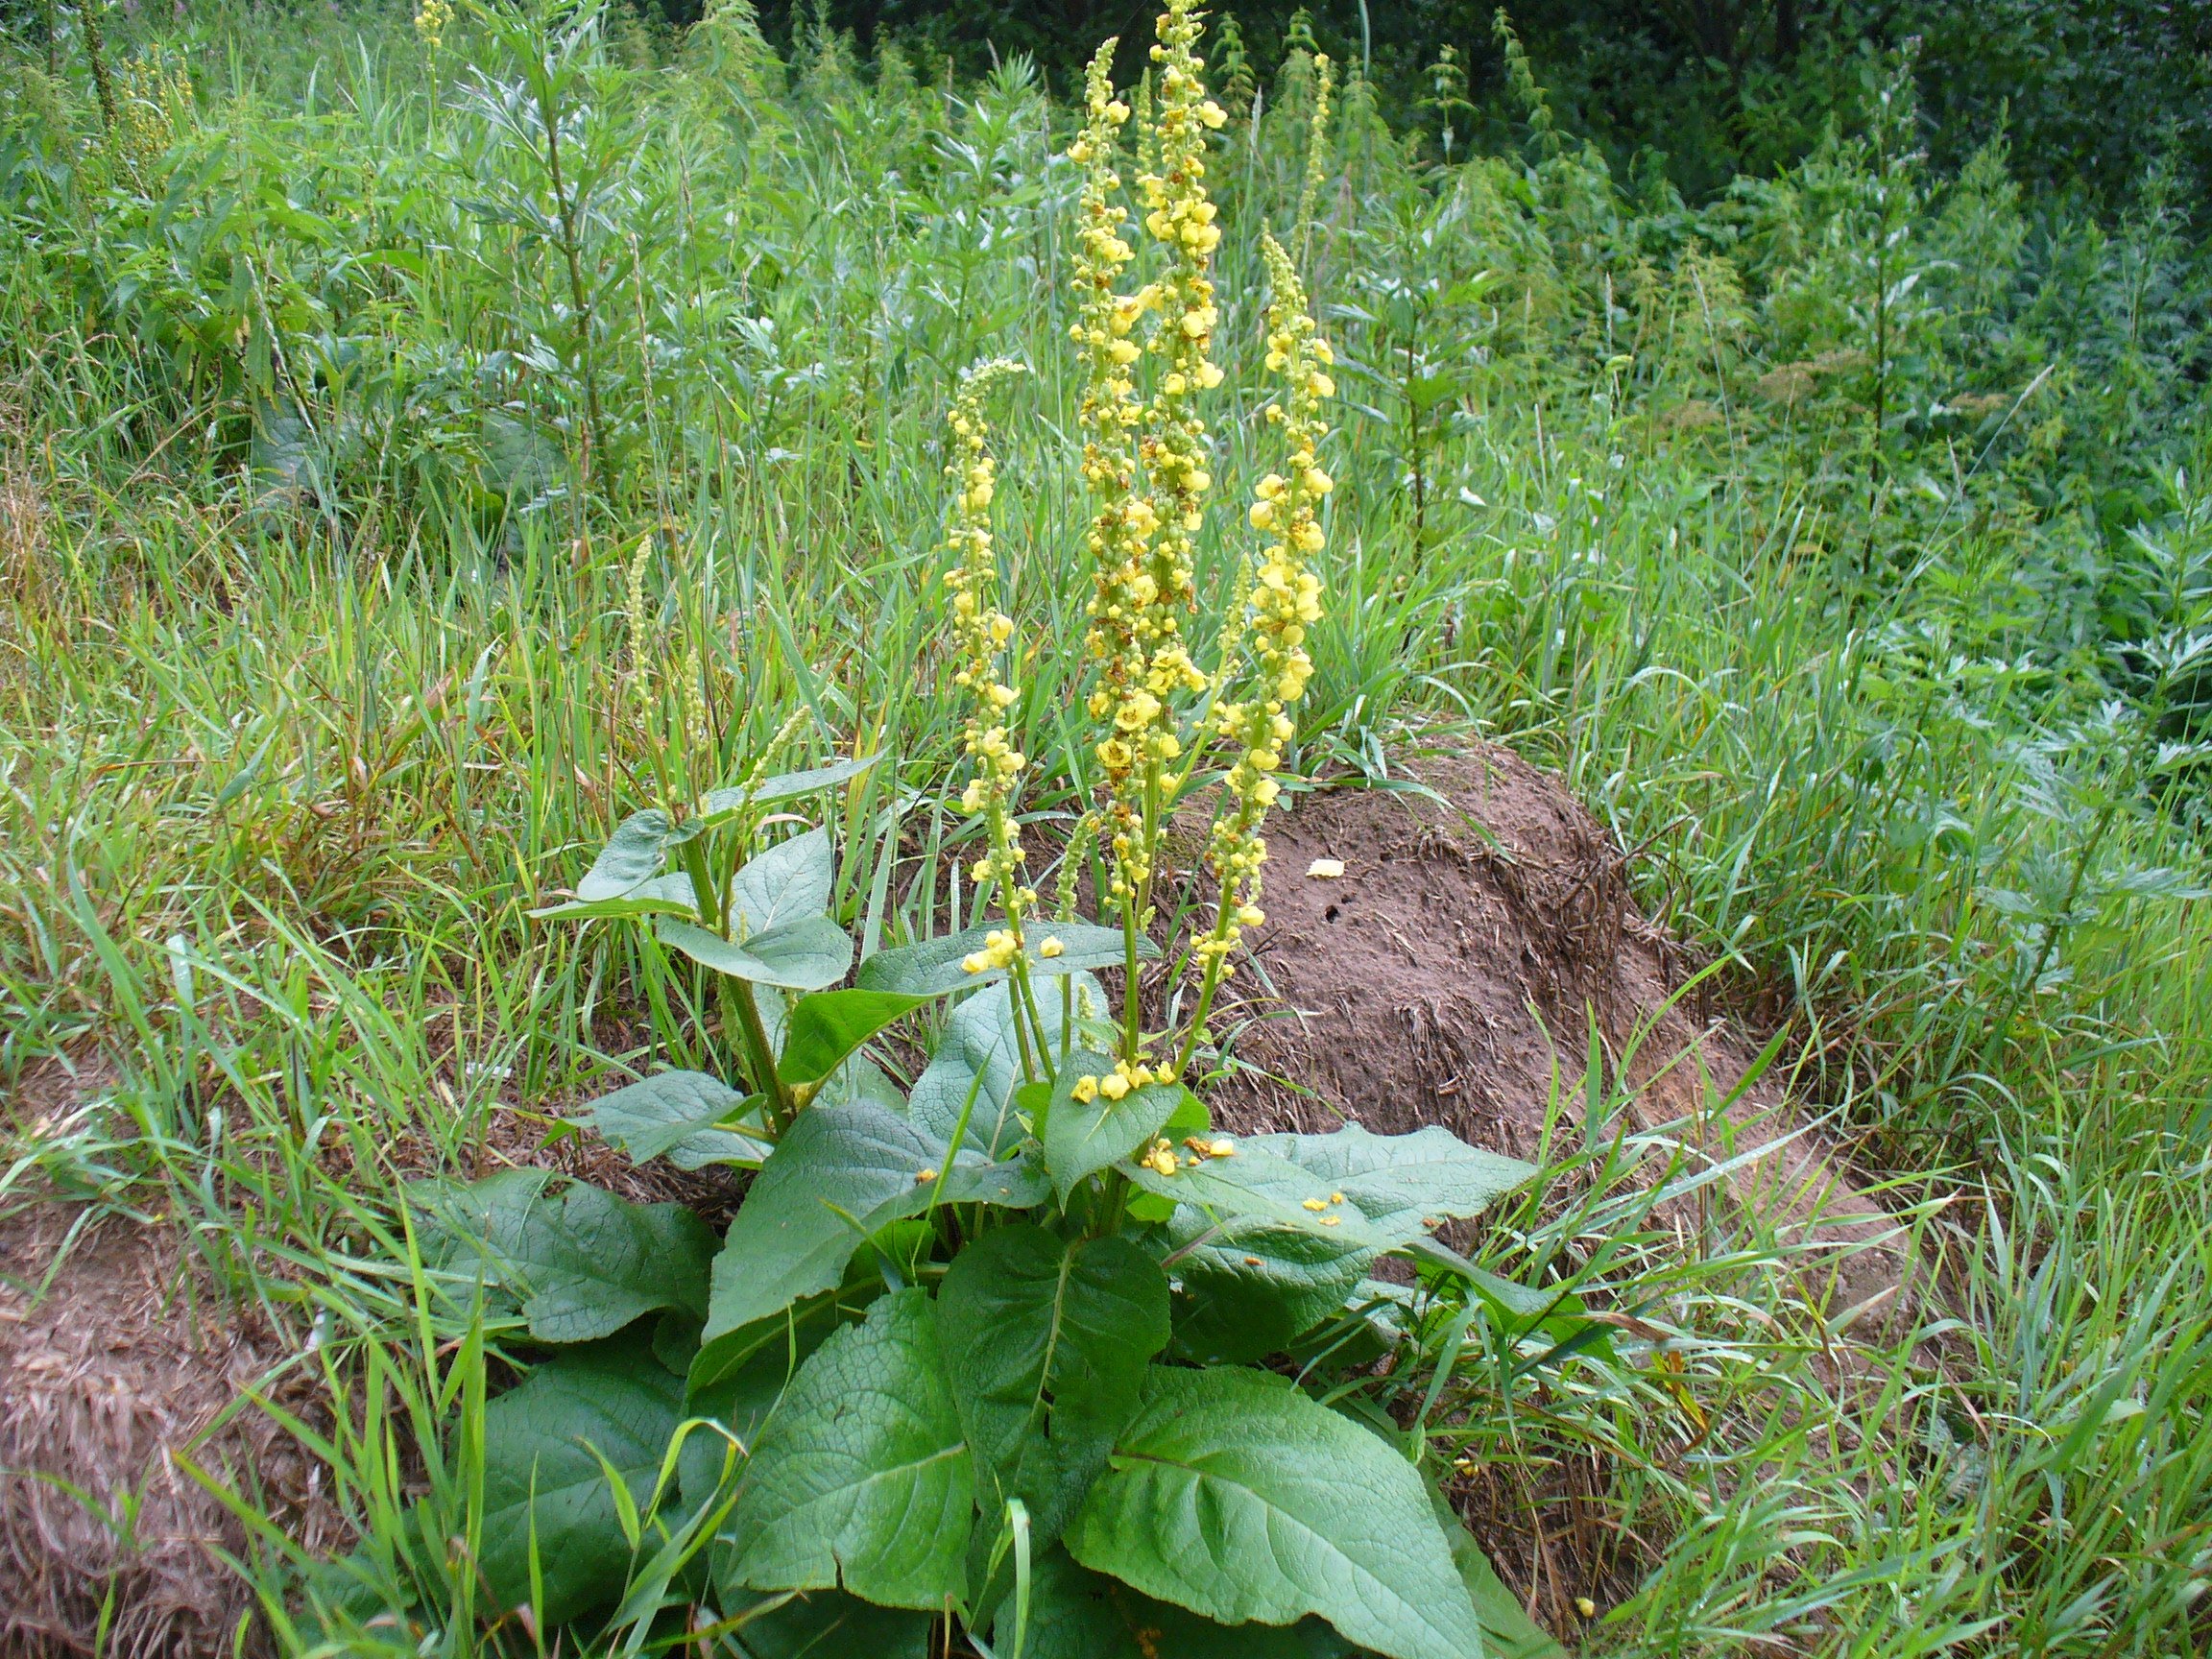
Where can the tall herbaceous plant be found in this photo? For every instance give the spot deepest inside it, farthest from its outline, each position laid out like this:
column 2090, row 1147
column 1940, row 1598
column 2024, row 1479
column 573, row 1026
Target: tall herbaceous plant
column 1006, row 1352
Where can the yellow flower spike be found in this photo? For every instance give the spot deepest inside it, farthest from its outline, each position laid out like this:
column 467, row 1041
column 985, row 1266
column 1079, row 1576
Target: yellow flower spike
column 1282, row 599
column 982, row 631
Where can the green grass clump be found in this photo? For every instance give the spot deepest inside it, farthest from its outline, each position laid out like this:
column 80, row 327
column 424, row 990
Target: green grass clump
column 402, row 444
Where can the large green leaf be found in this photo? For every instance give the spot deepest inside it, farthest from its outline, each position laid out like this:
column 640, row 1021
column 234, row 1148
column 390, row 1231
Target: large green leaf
column 721, row 804
column 584, row 1263
column 801, row 955
column 790, row 881
column 742, row 1383
column 1254, row 1190
column 1250, row 1297
column 1077, row 1614
column 1046, row 1340
column 830, row 1624
column 1428, row 1174
column 1080, row 1138
column 792, row 1333
column 1234, row 1494
column 1377, row 1192
column 632, row 859
column 790, row 786
column 862, row 1479
column 539, row 1471
column 840, row 1173
column 933, row 967
column 688, row 1117
column 825, row 1027
column 979, row 1055
column 660, row 895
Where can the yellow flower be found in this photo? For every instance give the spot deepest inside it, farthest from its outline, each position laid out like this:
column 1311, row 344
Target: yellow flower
column 1051, row 948
column 1086, row 1089
column 1114, row 1086
column 1283, row 599
column 1316, row 1205
column 982, row 631
column 923, row 1177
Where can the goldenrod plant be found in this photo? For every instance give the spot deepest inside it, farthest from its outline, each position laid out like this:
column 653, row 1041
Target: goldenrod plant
column 984, row 1353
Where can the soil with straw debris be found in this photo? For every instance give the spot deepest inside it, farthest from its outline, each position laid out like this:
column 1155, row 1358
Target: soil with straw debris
column 119, row 1361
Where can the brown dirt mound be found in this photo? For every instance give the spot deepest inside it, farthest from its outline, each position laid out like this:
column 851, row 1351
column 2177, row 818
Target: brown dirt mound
column 1450, row 974
column 117, row 1362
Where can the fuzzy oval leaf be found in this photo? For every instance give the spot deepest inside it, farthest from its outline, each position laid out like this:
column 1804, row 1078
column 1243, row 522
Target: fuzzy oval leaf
column 633, row 858
column 980, row 1054
column 688, row 1117
column 862, row 1479
column 803, row 955
column 1431, row 1173
column 839, row 1174
column 1077, row 1614
column 829, row 1624
column 932, row 968
column 1080, row 1138
column 584, row 1263
column 721, row 804
column 824, row 1028
column 539, row 1471
column 1254, row 1190
column 1234, row 1494
column 788, row 882
column 658, row 896
column 1047, row 1342
column 1242, row 1300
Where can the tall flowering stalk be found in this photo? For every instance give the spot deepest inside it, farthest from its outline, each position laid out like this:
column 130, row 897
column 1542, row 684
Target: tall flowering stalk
column 1122, row 525
column 1284, row 601
column 981, row 631
column 1316, row 151
column 1144, row 544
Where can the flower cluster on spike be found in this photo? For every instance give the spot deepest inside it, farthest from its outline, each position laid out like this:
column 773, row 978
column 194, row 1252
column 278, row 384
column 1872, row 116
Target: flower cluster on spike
column 1142, row 543
column 1286, row 600
column 981, row 631
column 1121, row 528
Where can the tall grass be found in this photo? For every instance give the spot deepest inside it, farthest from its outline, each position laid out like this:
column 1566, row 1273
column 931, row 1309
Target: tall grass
column 339, row 436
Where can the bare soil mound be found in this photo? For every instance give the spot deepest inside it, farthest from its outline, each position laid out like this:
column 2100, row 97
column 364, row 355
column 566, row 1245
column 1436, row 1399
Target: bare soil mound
column 116, row 1362
column 1451, row 974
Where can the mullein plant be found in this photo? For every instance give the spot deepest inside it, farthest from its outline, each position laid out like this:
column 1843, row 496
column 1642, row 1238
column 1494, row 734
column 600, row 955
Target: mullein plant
column 1002, row 1351
column 1142, row 539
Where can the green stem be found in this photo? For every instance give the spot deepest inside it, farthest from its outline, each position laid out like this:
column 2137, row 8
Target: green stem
column 760, row 1057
